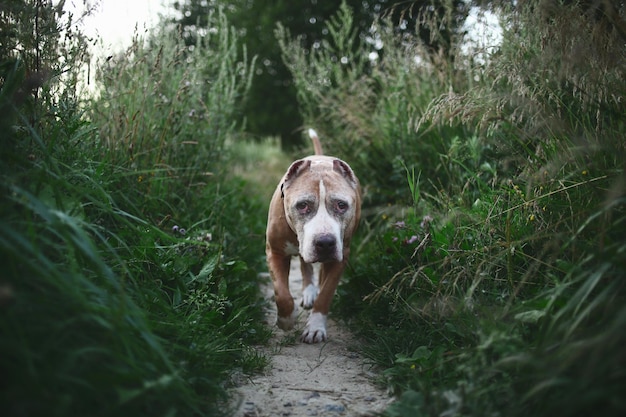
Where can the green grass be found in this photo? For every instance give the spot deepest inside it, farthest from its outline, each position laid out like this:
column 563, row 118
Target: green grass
column 108, row 306
column 487, row 275
column 260, row 164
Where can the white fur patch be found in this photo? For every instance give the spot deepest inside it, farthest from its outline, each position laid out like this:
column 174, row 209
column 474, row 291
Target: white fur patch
column 321, row 223
column 309, row 294
column 315, row 330
column 291, row 249
column 287, row 323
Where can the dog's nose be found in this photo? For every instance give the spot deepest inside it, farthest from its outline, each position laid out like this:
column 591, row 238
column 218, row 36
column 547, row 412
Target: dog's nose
column 325, row 243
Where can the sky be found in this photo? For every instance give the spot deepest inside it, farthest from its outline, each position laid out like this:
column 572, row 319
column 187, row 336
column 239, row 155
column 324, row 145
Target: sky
column 114, row 21
column 484, row 33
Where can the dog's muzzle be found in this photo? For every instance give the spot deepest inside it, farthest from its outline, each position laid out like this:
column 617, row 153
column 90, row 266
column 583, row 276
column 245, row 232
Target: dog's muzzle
column 326, row 248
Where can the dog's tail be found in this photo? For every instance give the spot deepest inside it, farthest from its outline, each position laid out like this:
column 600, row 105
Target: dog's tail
column 316, row 142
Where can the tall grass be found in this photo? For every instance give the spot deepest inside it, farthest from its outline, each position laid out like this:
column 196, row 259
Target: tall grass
column 123, row 293
column 165, row 110
column 366, row 108
column 498, row 290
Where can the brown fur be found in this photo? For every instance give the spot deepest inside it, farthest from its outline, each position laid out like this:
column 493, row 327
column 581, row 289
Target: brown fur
column 285, row 229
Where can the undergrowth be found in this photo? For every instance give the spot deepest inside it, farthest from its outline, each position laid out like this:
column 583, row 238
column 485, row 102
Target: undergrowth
column 487, row 278
column 126, row 290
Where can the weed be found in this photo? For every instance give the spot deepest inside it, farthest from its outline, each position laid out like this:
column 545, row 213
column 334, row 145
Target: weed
column 123, row 294
column 481, row 292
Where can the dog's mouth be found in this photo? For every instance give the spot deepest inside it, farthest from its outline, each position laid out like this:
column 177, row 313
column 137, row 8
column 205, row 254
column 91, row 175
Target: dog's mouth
column 322, row 259
column 324, row 248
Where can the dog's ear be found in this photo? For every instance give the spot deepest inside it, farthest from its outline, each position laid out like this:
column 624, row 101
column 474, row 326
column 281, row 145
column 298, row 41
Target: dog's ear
column 293, row 172
column 345, row 170
column 296, row 169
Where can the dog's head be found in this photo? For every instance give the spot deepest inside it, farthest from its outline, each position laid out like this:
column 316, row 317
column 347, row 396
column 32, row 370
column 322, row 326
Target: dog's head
column 322, row 202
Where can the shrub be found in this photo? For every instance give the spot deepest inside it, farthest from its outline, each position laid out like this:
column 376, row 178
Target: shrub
column 165, row 110
column 107, row 306
column 485, row 289
column 366, row 108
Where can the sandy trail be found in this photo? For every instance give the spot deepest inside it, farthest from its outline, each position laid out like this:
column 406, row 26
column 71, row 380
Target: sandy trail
column 325, row 379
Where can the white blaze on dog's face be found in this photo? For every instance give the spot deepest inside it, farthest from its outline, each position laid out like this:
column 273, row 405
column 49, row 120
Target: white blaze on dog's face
column 320, row 199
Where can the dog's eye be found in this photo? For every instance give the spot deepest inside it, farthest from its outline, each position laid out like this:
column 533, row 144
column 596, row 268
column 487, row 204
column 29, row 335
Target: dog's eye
column 341, row 206
column 302, row 207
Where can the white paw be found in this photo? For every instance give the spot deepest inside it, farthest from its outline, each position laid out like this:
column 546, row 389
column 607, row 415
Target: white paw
column 287, row 323
column 315, row 330
column 309, row 294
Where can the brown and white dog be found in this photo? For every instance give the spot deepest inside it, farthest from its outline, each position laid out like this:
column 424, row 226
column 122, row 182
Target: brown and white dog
column 313, row 213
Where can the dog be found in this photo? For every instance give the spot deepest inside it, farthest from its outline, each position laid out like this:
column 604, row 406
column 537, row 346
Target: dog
column 313, row 214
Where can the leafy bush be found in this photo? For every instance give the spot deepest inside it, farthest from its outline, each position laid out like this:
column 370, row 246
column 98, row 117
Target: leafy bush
column 366, row 109
column 497, row 275
column 123, row 293
column 165, row 110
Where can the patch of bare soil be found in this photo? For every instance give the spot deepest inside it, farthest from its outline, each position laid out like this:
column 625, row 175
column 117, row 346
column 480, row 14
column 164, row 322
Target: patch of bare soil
column 324, row 379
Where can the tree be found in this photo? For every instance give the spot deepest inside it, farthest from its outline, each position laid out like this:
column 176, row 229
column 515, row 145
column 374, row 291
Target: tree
column 271, row 107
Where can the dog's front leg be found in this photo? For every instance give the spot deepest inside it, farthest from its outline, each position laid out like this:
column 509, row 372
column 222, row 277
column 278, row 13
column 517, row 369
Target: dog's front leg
column 315, row 330
column 309, row 289
column 278, row 265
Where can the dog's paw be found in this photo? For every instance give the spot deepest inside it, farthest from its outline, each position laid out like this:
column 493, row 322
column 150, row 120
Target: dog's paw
column 287, row 323
column 309, row 294
column 315, row 330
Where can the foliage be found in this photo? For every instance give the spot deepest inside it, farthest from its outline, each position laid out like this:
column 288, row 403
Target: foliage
column 487, row 278
column 272, row 107
column 360, row 105
column 169, row 108
column 39, row 47
column 483, row 286
column 123, row 293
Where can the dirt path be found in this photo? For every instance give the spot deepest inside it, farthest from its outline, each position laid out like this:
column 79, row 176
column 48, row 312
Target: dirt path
column 326, row 379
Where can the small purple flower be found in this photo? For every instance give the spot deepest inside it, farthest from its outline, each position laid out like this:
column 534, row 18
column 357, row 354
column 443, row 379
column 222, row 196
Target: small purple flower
column 175, row 228
column 182, row 231
column 426, row 221
column 411, row 240
column 399, row 225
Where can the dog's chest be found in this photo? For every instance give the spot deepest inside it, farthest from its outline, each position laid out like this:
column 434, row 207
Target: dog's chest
column 291, row 248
